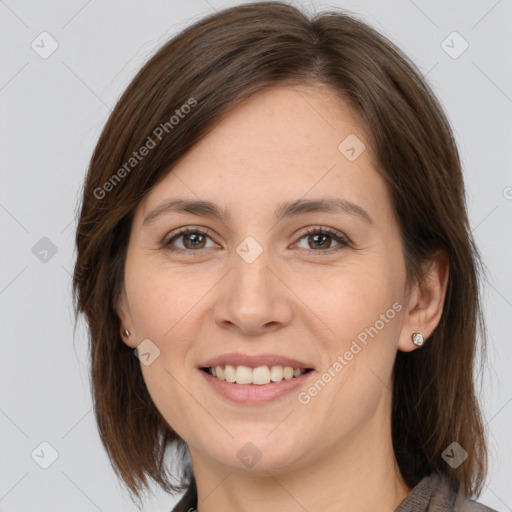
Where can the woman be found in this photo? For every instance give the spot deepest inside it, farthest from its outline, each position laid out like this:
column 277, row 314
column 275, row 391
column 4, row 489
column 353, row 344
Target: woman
column 275, row 262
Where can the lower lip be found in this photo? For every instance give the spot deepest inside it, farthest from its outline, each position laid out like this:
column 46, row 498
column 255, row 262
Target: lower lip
column 255, row 393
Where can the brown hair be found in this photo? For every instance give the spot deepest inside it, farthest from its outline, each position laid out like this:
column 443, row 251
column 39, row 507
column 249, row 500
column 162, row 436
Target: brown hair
column 218, row 63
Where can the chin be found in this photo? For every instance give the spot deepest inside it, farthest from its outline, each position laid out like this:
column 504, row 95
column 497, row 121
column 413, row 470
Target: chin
column 258, row 454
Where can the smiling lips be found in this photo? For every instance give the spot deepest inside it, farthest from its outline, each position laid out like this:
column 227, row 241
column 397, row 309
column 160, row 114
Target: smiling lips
column 259, row 375
column 259, row 369
column 239, row 359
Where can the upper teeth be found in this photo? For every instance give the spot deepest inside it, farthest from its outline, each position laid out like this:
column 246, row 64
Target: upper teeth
column 260, row 375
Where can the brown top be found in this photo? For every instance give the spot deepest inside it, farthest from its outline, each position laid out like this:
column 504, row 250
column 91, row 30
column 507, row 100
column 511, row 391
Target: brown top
column 431, row 494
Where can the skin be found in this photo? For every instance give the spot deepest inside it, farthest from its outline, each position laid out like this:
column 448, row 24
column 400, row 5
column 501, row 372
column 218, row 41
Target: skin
column 280, row 145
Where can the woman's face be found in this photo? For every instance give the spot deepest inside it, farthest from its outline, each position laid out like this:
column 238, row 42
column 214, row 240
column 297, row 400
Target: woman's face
column 258, row 284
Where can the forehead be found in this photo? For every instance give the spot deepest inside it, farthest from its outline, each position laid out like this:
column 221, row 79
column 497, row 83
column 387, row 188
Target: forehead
column 283, row 143
column 294, row 127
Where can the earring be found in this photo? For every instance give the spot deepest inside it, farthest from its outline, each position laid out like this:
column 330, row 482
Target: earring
column 418, row 338
column 127, row 333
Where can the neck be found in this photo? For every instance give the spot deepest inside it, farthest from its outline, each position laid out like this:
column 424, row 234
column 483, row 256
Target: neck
column 359, row 472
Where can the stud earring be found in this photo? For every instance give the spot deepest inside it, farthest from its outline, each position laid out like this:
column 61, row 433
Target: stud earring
column 418, row 338
column 127, row 333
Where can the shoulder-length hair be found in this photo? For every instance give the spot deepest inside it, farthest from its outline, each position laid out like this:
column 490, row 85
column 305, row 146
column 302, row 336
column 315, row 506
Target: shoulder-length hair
column 179, row 96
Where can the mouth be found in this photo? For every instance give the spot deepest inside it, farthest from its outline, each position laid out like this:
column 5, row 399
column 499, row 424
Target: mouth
column 247, row 386
column 259, row 376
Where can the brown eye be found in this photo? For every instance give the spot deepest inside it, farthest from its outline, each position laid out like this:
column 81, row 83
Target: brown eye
column 320, row 240
column 194, row 240
column 191, row 240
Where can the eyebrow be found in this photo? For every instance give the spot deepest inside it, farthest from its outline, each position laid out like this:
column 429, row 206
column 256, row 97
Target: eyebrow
column 285, row 210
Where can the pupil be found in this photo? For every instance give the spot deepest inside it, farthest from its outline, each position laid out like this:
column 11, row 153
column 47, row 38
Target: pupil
column 194, row 238
column 319, row 236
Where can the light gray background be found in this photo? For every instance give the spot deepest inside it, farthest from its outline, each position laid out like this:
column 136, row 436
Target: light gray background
column 52, row 111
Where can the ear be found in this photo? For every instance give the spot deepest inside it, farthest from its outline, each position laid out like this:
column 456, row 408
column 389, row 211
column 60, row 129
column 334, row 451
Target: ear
column 426, row 300
column 125, row 319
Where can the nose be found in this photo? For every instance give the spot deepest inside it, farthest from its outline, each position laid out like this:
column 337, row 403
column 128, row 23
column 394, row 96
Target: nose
column 253, row 299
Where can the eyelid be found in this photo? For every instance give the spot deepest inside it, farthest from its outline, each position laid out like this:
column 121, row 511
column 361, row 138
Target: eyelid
column 165, row 244
column 341, row 239
column 324, row 229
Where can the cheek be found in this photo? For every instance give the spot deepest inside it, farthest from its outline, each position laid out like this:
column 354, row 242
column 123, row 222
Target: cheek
column 362, row 310
column 160, row 299
column 164, row 313
column 171, row 397
column 361, row 306
column 350, row 298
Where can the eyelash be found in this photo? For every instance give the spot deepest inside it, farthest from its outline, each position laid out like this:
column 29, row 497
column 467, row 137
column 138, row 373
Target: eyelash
column 317, row 230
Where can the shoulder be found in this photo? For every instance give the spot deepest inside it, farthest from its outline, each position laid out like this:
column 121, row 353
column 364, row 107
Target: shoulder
column 431, row 494
column 434, row 494
column 188, row 502
column 463, row 504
